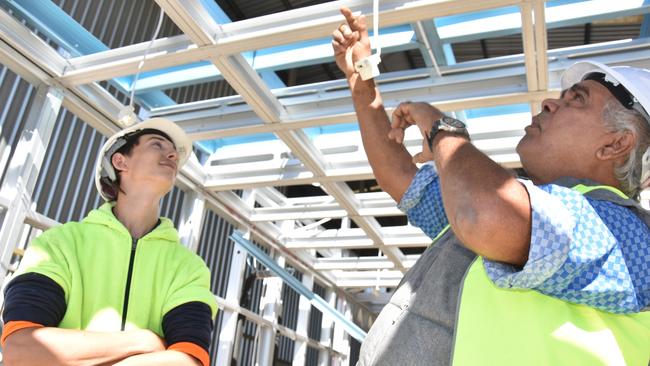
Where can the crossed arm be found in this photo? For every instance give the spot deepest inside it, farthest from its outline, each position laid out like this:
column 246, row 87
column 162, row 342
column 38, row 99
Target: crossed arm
column 55, row 346
column 487, row 208
column 35, row 304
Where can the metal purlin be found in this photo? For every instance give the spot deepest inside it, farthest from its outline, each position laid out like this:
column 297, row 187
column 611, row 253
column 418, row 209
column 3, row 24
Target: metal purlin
column 317, row 301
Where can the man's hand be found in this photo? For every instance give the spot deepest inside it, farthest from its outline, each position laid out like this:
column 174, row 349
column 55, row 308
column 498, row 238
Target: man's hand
column 391, row 163
column 420, row 114
column 350, row 42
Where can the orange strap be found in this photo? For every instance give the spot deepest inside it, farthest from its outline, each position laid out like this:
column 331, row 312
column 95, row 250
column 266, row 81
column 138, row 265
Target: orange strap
column 14, row 326
column 192, row 350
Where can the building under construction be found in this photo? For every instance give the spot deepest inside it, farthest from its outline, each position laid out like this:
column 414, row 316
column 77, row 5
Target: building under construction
column 278, row 197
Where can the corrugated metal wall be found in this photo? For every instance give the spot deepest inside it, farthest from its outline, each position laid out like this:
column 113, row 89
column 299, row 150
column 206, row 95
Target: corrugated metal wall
column 118, row 23
column 65, row 189
column 187, row 94
column 16, row 96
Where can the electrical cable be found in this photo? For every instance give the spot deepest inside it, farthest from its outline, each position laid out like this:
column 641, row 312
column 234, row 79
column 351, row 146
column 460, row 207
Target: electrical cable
column 375, row 26
column 368, row 68
column 127, row 115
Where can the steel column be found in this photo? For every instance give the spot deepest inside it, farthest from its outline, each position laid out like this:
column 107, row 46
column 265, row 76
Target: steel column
column 193, row 211
column 304, row 308
column 24, row 168
column 270, row 306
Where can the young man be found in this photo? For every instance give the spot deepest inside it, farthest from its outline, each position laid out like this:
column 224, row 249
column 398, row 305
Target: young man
column 117, row 287
column 553, row 271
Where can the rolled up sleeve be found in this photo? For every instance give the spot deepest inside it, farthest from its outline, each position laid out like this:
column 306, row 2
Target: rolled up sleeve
column 579, row 251
column 422, row 202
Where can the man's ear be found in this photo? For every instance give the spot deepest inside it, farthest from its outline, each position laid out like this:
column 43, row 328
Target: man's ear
column 618, row 146
column 119, row 162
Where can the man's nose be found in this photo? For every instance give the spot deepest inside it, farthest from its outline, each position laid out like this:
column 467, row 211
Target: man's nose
column 172, row 154
column 550, row 105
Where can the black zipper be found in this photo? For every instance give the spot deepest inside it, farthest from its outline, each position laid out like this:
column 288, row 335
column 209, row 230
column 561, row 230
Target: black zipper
column 125, row 307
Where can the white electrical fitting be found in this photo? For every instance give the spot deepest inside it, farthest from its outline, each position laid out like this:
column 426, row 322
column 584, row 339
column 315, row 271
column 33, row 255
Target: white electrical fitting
column 126, row 116
column 368, row 68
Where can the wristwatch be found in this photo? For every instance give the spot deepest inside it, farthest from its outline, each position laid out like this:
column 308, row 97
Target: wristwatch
column 448, row 124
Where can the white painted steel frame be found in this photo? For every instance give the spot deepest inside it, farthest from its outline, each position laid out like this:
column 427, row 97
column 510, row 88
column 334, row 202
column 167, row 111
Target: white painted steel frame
column 23, row 170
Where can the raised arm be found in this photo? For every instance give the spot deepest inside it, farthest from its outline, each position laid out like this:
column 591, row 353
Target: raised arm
column 390, row 162
column 487, row 208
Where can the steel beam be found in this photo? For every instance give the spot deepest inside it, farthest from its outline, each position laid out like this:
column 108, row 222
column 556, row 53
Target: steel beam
column 315, row 300
column 528, row 41
column 431, row 45
column 559, row 15
column 18, row 42
column 184, row 58
column 398, row 236
column 541, row 46
column 318, row 21
column 361, row 263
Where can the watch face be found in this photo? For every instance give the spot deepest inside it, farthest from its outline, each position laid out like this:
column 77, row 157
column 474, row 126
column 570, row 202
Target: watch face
column 448, row 124
column 453, row 122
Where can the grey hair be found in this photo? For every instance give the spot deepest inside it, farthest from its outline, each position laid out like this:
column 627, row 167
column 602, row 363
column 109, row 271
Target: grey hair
column 619, row 119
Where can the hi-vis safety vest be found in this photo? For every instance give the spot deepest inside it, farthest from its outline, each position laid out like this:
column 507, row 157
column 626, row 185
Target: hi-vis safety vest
column 447, row 311
column 112, row 282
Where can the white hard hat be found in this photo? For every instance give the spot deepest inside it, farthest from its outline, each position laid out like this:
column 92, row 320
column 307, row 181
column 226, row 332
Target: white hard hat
column 636, row 85
column 635, row 80
column 104, row 169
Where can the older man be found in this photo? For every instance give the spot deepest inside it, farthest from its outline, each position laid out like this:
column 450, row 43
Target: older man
column 117, row 287
column 549, row 271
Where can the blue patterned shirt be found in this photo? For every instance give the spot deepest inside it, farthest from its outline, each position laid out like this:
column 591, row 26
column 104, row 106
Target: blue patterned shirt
column 582, row 250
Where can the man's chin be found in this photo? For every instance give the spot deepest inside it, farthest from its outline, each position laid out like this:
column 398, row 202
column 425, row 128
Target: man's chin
column 519, row 147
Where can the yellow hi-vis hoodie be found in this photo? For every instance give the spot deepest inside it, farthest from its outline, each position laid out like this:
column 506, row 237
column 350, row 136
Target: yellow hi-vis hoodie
column 92, row 261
